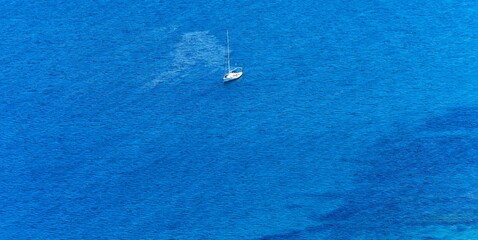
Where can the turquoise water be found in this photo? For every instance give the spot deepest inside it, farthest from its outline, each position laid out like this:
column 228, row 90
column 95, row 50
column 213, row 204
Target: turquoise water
column 353, row 120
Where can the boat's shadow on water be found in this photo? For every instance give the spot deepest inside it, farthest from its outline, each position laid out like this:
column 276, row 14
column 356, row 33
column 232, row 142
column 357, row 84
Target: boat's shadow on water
column 410, row 181
column 231, row 82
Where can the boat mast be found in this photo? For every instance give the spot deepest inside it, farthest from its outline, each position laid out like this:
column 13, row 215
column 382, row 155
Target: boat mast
column 228, row 60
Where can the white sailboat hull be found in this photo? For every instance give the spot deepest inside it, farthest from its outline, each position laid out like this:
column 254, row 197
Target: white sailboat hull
column 232, row 76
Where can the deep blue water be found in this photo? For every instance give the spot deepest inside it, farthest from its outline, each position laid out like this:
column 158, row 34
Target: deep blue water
column 353, row 120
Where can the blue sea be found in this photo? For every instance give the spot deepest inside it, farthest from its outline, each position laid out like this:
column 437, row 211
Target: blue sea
column 353, row 120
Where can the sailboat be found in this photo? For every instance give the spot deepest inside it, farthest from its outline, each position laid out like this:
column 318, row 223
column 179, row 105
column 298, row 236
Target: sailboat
column 236, row 72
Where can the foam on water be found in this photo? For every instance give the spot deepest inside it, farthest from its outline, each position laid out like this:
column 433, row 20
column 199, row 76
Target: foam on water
column 195, row 54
